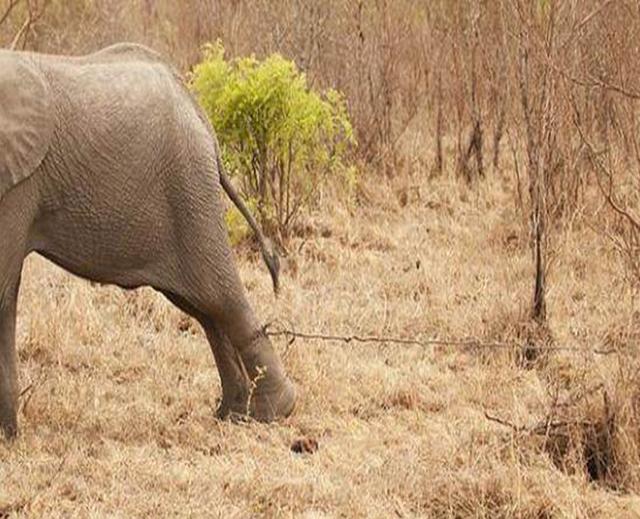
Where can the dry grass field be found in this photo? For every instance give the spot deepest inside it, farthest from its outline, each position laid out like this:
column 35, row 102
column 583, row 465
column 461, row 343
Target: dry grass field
column 485, row 130
column 117, row 418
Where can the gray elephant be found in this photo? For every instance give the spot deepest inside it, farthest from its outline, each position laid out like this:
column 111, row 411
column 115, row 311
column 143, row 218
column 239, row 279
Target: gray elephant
column 109, row 168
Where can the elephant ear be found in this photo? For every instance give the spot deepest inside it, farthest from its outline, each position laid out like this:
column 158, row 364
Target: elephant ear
column 26, row 122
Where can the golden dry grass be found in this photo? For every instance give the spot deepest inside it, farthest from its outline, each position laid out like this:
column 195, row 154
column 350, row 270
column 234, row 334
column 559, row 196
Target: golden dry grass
column 119, row 420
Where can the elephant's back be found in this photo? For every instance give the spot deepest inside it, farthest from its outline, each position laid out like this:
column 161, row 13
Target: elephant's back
column 114, row 92
column 132, row 110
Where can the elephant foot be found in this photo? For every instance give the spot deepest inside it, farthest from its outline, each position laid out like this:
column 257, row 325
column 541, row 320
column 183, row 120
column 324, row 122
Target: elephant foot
column 266, row 402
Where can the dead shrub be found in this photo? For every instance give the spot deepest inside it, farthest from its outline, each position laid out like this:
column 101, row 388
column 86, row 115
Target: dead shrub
column 595, row 432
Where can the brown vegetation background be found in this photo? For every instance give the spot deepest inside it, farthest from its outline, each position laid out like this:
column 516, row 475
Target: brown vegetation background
column 500, row 167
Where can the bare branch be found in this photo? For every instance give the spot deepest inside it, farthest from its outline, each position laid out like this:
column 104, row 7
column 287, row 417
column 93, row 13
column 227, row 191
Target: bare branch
column 21, row 32
column 581, row 25
column 467, row 343
column 594, row 157
column 8, row 10
column 35, row 11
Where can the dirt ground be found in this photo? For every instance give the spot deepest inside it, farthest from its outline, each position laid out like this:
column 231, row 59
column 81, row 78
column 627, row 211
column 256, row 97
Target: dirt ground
column 120, row 389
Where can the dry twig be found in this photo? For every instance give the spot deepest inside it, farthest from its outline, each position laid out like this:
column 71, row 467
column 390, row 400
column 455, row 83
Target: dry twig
column 35, row 11
column 469, row 344
column 7, row 12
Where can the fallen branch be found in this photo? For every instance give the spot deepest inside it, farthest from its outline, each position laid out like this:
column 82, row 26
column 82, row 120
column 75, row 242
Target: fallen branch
column 501, row 421
column 539, row 428
column 473, row 344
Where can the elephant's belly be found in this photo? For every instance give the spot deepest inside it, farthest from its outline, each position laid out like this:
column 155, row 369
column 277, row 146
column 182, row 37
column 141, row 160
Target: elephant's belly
column 105, row 232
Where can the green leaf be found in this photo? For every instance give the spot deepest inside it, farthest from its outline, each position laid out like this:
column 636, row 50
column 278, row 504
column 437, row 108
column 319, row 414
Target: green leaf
column 279, row 138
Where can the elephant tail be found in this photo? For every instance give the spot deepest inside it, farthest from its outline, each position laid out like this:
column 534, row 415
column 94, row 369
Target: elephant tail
column 267, row 250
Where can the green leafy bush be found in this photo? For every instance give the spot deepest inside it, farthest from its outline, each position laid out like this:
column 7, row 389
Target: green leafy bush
column 278, row 136
column 237, row 226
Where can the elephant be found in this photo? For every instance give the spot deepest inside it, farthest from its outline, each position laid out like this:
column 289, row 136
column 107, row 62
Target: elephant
column 110, row 169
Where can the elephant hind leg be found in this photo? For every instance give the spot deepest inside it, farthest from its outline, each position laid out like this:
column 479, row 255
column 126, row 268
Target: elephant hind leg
column 252, row 377
column 253, row 380
column 206, row 285
column 233, row 376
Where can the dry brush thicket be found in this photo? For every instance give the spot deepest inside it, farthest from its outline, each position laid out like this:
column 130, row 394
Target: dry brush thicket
column 499, row 150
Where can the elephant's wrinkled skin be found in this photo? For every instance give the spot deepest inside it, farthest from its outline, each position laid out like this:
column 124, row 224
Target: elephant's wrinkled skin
column 109, row 169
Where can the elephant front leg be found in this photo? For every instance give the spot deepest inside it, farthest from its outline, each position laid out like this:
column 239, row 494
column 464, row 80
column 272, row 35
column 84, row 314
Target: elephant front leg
column 8, row 365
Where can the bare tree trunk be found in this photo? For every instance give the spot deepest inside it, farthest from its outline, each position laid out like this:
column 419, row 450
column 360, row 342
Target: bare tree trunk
column 534, row 132
column 539, row 308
